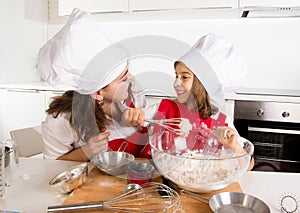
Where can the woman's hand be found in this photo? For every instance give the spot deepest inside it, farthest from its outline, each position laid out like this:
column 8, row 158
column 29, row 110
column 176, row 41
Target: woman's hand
column 96, row 144
column 133, row 116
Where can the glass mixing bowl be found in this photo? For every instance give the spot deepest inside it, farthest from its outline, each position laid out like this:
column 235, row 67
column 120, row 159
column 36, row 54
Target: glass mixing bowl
column 196, row 171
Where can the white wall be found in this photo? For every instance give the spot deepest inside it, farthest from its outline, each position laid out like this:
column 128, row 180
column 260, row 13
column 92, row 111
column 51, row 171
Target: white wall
column 22, row 32
column 271, row 46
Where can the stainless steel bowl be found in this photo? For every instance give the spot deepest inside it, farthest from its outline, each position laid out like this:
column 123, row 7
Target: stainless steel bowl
column 231, row 202
column 237, row 202
column 70, row 179
column 113, row 162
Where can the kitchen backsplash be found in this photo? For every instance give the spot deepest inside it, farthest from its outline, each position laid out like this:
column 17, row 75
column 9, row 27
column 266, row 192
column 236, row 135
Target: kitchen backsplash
column 270, row 46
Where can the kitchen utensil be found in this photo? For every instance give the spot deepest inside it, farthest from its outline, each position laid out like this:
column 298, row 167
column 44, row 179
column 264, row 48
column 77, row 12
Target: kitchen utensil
column 5, row 148
column 70, row 179
column 147, row 199
column 179, row 126
column 140, row 172
column 195, row 171
column 113, row 162
column 132, row 186
column 225, row 202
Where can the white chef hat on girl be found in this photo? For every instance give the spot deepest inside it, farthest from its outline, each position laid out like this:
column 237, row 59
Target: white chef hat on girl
column 63, row 59
column 218, row 65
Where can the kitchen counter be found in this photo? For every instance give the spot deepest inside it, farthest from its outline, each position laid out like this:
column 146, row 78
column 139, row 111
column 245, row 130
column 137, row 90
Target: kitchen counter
column 30, row 86
column 28, row 189
column 247, row 94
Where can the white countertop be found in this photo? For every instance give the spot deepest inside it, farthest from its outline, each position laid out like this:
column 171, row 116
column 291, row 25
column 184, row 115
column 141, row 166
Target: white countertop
column 41, row 85
column 247, row 94
column 28, row 189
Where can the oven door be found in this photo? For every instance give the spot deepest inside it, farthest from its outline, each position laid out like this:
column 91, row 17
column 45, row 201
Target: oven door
column 276, row 144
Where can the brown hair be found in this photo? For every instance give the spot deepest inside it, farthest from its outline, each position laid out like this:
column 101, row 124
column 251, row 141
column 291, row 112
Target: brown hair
column 199, row 98
column 86, row 116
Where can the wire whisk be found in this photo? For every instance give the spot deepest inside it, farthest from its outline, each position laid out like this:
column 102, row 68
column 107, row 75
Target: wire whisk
column 153, row 197
column 179, row 126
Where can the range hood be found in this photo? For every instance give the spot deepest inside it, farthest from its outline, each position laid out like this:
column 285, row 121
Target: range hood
column 270, row 12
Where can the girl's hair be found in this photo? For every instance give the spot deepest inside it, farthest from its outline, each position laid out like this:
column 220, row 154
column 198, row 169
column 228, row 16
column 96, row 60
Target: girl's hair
column 200, row 96
column 86, row 116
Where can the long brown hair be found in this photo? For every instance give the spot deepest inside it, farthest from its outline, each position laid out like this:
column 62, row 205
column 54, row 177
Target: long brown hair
column 86, row 116
column 199, row 98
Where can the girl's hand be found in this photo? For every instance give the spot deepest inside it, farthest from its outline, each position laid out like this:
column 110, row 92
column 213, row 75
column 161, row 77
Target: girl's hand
column 133, row 116
column 96, row 144
column 229, row 138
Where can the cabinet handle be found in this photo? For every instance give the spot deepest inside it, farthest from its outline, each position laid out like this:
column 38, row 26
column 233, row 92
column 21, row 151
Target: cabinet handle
column 23, row 90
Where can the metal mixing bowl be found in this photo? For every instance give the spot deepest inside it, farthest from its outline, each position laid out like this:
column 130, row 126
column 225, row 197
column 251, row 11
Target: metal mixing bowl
column 197, row 172
column 70, row 179
column 113, row 162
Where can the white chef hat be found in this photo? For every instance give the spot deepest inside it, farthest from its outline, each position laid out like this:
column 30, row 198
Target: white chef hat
column 63, row 59
column 218, row 65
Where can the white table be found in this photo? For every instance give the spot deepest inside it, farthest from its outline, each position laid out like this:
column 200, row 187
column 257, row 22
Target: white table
column 29, row 190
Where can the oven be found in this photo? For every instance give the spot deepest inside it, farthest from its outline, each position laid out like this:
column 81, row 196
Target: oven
column 274, row 129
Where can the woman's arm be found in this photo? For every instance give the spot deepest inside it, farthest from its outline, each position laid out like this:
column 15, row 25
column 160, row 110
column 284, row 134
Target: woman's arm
column 84, row 153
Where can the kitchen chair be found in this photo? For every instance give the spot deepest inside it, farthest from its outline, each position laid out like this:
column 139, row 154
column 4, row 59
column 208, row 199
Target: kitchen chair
column 29, row 141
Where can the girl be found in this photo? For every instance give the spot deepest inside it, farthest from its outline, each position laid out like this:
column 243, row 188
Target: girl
column 211, row 67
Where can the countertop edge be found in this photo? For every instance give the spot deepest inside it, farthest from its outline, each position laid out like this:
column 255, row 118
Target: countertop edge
column 44, row 86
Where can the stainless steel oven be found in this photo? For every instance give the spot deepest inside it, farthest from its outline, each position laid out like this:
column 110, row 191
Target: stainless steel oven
column 274, row 129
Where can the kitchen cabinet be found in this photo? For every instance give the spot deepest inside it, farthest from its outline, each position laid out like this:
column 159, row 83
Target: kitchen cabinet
column 269, row 3
column 20, row 109
column 65, row 7
column 144, row 5
column 121, row 9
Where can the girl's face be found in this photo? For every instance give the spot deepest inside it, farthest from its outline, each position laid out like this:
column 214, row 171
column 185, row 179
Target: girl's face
column 117, row 90
column 183, row 83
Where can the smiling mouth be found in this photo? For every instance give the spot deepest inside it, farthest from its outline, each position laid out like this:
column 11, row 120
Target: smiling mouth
column 180, row 92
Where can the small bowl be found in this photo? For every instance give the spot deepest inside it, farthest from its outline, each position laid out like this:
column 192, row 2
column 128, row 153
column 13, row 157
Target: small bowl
column 140, row 172
column 70, row 179
column 113, row 162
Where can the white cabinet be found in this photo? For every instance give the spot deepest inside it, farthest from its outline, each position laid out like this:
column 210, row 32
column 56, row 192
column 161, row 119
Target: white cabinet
column 269, row 3
column 124, row 9
column 20, row 109
column 65, row 7
column 146, row 5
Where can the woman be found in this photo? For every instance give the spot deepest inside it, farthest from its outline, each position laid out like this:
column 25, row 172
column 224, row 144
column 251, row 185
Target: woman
column 80, row 123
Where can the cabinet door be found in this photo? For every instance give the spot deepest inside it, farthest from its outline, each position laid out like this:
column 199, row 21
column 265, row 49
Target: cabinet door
column 65, row 7
column 144, row 5
column 20, row 109
column 269, row 3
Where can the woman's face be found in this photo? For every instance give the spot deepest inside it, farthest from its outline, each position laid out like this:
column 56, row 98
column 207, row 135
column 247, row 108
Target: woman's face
column 183, row 83
column 117, row 90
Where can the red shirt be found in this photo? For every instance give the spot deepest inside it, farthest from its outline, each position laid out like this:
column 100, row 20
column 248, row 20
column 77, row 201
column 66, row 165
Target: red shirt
column 133, row 144
column 171, row 109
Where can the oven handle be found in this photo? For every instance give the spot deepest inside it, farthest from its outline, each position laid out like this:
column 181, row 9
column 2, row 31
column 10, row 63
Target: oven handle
column 283, row 131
